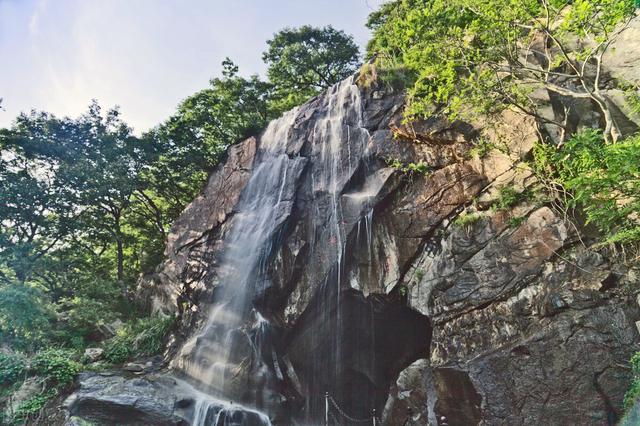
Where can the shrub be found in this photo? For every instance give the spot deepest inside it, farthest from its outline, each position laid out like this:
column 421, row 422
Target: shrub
column 633, row 393
column 12, row 368
column 421, row 167
column 394, row 74
column 367, row 76
column 508, row 197
column 142, row 337
column 602, row 179
column 25, row 316
column 81, row 318
column 57, row 366
column 466, row 220
column 30, row 407
column 118, row 349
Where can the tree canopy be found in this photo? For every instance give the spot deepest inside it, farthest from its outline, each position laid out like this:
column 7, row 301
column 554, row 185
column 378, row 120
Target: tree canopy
column 304, row 61
column 87, row 204
column 478, row 56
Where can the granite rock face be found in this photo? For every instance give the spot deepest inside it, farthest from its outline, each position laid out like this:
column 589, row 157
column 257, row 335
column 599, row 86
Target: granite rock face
column 437, row 308
column 149, row 400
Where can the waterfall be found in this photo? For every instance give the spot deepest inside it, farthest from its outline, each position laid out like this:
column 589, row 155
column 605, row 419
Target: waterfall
column 210, row 359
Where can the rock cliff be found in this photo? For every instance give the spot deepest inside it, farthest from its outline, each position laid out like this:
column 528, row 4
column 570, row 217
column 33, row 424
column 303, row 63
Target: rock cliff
column 411, row 291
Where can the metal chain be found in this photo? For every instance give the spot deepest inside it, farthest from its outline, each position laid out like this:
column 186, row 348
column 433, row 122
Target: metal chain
column 345, row 415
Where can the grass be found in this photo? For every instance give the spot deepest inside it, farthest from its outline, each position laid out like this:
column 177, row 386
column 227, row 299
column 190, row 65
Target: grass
column 466, row 220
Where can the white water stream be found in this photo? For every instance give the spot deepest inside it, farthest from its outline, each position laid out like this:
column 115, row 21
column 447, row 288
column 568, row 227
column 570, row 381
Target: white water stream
column 264, row 205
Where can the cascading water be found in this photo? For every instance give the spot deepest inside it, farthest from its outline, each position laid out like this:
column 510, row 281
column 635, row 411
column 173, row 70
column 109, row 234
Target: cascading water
column 210, row 359
column 208, row 356
column 339, row 140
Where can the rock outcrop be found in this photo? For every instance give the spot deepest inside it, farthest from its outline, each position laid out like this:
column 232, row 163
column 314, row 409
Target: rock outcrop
column 149, row 400
column 406, row 292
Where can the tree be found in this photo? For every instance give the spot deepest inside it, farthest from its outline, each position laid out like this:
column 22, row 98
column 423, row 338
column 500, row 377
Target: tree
column 470, row 55
column 191, row 142
column 36, row 213
column 69, row 182
column 304, row 61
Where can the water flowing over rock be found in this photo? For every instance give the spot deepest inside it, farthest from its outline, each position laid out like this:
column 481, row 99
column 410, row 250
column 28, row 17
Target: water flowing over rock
column 309, row 266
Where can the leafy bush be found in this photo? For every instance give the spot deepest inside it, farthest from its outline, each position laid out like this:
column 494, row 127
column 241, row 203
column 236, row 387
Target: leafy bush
column 82, row 316
column 390, row 72
column 367, row 76
column 25, row 316
column 57, row 366
column 602, row 179
column 420, row 167
column 466, row 55
column 30, row 407
column 142, row 337
column 12, row 368
column 633, row 393
column 118, row 349
column 466, row 220
column 508, row 197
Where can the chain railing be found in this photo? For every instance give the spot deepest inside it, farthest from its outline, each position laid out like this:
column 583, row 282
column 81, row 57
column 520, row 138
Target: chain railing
column 330, row 402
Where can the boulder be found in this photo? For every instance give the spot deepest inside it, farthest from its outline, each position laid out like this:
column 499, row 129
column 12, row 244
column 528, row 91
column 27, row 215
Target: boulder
column 133, row 367
column 93, row 354
column 116, row 400
column 153, row 400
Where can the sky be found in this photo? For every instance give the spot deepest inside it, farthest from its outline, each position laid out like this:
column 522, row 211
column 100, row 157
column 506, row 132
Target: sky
column 143, row 55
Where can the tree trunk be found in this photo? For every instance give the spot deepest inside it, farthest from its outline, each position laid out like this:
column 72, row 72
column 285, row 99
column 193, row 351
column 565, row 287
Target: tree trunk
column 120, row 255
column 120, row 261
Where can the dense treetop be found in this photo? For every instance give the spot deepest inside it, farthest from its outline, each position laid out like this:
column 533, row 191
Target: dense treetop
column 471, row 56
column 304, row 61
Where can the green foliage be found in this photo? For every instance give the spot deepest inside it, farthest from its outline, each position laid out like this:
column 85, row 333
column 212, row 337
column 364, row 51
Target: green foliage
column 81, row 316
column 12, row 368
column 367, row 76
column 633, row 393
column 403, row 291
column 632, row 96
column 142, row 337
column 481, row 148
column 509, row 197
column 465, row 220
column 304, row 61
column 71, row 182
column 391, row 73
column 603, row 179
column 25, row 316
column 471, row 56
column 421, row 167
column 516, row 221
column 29, row 408
column 118, row 349
column 57, row 366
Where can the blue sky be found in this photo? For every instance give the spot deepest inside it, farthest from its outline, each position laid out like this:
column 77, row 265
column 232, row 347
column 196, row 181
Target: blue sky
column 144, row 55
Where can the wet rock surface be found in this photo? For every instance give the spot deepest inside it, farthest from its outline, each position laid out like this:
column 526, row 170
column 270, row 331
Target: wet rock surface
column 509, row 319
column 114, row 399
column 155, row 399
